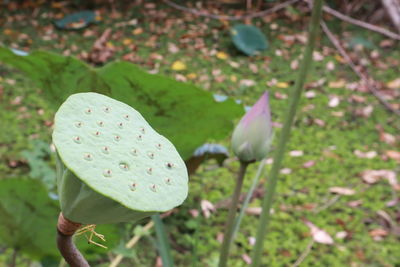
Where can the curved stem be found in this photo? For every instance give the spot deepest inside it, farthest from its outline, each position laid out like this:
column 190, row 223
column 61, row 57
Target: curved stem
column 69, row 251
column 284, row 137
column 65, row 244
column 223, row 258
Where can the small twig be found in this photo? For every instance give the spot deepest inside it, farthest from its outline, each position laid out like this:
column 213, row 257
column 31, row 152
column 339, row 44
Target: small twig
column 304, row 254
column 352, row 65
column 131, row 243
column 329, row 203
column 359, row 22
column 225, row 17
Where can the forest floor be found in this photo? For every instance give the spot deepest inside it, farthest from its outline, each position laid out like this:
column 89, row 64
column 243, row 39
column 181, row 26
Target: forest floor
column 340, row 170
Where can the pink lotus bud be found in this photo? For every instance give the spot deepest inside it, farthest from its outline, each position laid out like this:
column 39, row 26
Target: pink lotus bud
column 252, row 137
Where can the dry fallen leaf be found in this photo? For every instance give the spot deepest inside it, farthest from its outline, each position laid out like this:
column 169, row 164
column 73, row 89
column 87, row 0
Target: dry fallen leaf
column 337, row 84
column 296, row 153
column 319, row 235
column 334, row 101
column 222, row 55
column 178, row 65
column 394, row 84
column 365, row 155
column 373, row 176
column 207, row 207
column 282, row 85
column 309, row 164
column 342, row 191
column 253, row 210
column 378, row 234
column 393, row 155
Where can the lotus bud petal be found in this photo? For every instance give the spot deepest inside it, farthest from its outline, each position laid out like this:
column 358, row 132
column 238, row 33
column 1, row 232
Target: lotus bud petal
column 251, row 139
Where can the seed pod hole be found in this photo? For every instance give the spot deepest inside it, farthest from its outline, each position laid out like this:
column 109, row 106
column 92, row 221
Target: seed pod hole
column 120, row 125
column 117, row 138
column 88, row 156
column 126, row 117
column 168, row 181
column 107, row 109
column 107, row 173
column 169, row 165
column 96, row 133
column 78, row 124
column 150, row 170
column 158, row 146
column 77, row 139
column 134, row 151
column 100, row 123
column 142, row 130
column 105, row 149
column 88, row 111
column 139, row 137
column 124, row 166
column 153, row 187
column 150, row 154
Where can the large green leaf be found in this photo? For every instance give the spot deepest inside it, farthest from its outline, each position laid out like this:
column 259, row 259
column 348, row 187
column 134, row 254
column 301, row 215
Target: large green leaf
column 185, row 114
column 248, row 39
column 28, row 217
column 56, row 75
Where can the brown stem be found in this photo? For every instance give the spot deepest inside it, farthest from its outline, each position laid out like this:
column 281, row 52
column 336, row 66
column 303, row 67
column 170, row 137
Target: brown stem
column 65, row 231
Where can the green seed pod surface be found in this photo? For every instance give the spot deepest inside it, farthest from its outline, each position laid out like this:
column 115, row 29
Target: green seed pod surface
column 112, row 165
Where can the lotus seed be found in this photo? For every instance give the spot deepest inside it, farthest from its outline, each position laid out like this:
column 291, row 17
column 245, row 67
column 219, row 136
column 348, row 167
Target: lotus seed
column 133, row 186
column 78, row 124
column 100, row 123
column 151, row 155
column 77, row 140
column 88, row 156
column 117, row 138
column 153, row 187
column 126, row 117
column 105, row 149
column 107, row 109
column 124, row 166
column 134, row 152
column 107, row 173
column 150, row 170
column 88, row 111
column 97, row 133
column 120, row 125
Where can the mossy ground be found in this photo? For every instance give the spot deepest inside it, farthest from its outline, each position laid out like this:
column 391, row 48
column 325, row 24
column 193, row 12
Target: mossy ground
column 323, row 133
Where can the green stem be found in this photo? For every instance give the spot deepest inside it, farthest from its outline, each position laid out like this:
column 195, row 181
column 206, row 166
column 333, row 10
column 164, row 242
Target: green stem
column 246, row 201
column 284, row 137
column 230, row 223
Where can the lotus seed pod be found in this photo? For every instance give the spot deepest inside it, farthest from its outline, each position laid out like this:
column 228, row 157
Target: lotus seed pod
column 112, row 165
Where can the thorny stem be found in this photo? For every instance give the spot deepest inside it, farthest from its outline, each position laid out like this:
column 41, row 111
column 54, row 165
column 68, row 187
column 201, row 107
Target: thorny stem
column 230, row 223
column 284, row 137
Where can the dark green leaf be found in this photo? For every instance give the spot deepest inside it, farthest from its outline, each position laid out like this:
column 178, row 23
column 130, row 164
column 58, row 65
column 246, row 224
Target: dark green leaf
column 77, row 20
column 57, row 75
column 185, row 114
column 248, row 39
column 28, row 217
